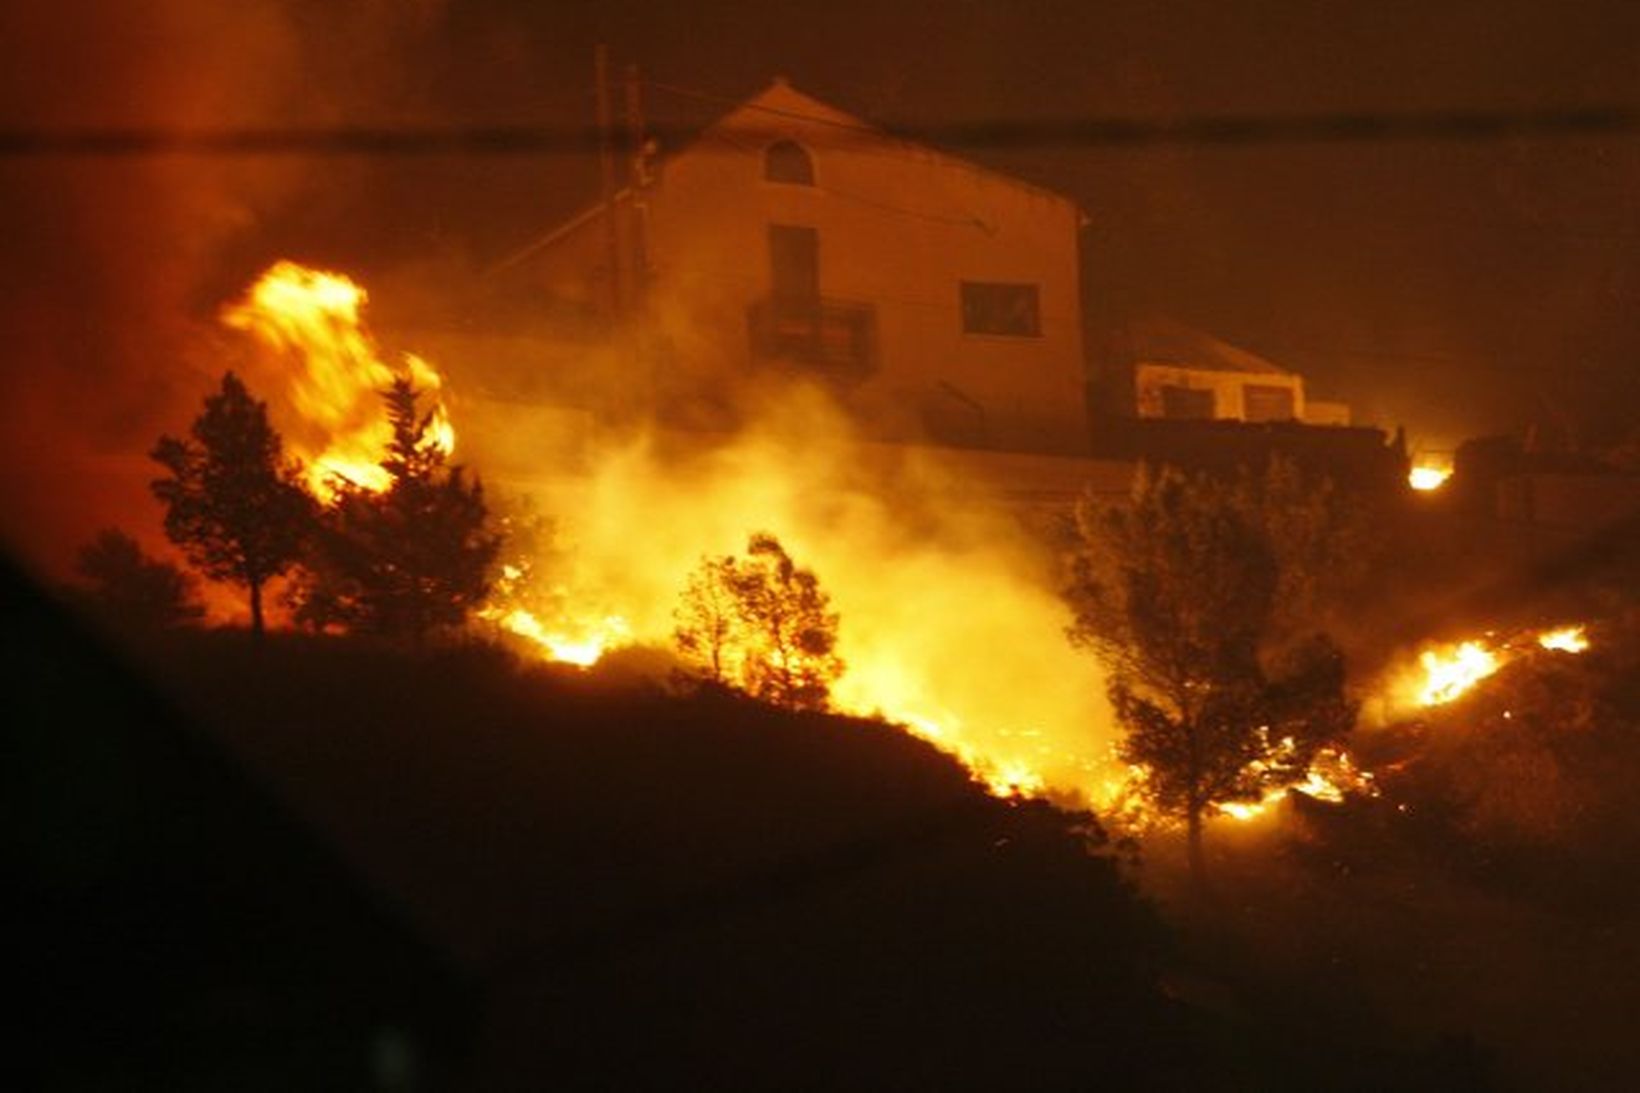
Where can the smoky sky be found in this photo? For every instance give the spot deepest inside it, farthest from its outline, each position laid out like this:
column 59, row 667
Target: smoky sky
column 1456, row 287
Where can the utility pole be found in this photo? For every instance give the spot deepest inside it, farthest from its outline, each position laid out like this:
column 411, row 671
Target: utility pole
column 638, row 183
column 606, row 170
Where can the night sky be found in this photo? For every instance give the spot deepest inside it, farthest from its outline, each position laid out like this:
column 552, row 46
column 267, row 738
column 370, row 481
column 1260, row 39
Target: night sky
column 1456, row 287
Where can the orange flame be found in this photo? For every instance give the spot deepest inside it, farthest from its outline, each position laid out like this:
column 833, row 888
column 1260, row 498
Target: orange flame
column 1446, row 673
column 332, row 376
column 996, row 687
column 581, row 644
column 1449, row 674
column 1566, row 639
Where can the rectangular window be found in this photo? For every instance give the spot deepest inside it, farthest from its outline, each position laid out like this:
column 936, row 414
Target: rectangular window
column 992, row 307
column 1187, row 404
column 1267, row 402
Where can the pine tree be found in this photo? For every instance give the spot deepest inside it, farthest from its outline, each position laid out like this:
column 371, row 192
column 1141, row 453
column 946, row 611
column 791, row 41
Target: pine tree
column 1192, row 605
column 233, row 504
column 413, row 557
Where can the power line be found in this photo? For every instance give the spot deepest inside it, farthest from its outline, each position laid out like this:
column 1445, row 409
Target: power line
column 1459, row 126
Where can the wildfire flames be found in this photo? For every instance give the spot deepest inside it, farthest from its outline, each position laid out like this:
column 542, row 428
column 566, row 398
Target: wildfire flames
column 1031, row 722
column 582, row 645
column 1450, row 671
column 1035, row 721
column 1449, row 674
column 332, row 374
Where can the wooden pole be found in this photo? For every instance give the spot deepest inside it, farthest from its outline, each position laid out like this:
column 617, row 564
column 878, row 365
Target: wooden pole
column 606, row 170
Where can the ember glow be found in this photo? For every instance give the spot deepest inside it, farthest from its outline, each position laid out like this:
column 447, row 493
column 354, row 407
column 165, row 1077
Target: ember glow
column 328, row 374
column 1331, row 777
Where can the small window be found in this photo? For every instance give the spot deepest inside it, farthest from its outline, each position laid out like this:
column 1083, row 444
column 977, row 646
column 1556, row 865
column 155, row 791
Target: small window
column 786, row 161
column 996, row 308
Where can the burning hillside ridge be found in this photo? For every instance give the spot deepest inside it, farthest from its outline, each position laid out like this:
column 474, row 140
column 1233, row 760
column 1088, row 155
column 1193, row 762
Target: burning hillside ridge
column 950, row 617
column 950, row 624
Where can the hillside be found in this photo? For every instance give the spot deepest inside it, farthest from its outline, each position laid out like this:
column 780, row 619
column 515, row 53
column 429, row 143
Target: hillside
column 496, row 876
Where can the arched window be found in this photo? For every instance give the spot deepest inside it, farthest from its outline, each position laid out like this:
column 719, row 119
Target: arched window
column 786, row 161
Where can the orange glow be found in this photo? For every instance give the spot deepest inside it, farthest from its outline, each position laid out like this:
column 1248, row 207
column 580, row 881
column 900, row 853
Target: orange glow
column 1332, row 776
column 951, row 625
column 1449, row 674
column 328, row 374
column 1429, row 471
column 582, row 644
column 1566, row 639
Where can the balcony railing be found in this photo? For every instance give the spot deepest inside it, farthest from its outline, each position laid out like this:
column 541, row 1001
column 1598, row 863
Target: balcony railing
column 835, row 336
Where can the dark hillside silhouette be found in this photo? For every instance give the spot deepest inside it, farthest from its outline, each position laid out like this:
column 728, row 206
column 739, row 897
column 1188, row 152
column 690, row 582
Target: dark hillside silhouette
column 635, row 889
column 175, row 928
column 700, row 891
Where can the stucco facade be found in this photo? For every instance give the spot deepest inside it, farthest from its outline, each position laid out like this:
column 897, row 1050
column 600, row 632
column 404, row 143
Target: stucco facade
column 937, row 298
column 1182, row 373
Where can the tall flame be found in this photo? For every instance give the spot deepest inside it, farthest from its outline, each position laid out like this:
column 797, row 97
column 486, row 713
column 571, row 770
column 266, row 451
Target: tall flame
column 331, row 375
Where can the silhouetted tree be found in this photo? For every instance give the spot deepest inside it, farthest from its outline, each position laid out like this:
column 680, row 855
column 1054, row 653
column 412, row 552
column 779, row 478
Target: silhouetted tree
column 708, row 617
column 415, row 556
column 132, row 589
column 762, row 623
column 1179, row 593
column 233, row 504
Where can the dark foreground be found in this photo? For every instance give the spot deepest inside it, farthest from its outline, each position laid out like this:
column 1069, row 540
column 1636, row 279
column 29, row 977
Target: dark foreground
column 320, row 865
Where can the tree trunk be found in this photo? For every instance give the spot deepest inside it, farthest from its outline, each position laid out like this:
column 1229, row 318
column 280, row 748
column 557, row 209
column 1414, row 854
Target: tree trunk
column 256, row 608
column 1198, row 860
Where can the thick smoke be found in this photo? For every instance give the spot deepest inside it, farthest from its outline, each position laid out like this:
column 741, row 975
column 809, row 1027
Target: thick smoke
column 949, row 618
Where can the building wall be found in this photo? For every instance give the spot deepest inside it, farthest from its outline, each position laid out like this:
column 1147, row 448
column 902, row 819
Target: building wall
column 1229, row 389
column 899, row 228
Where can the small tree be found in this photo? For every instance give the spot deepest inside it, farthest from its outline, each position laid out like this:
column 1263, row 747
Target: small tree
column 763, row 623
column 132, row 589
column 233, row 504
column 412, row 557
column 708, row 618
column 1178, row 593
